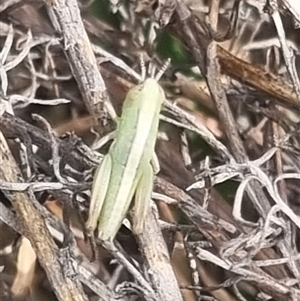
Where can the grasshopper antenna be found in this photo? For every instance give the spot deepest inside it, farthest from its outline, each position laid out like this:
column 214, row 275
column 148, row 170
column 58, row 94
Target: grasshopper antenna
column 162, row 70
column 151, row 69
column 143, row 67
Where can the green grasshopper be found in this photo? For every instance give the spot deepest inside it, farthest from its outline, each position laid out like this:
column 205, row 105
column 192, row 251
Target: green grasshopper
column 125, row 177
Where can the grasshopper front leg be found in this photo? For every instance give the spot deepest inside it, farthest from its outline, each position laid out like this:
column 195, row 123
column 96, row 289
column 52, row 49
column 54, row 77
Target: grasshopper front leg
column 155, row 164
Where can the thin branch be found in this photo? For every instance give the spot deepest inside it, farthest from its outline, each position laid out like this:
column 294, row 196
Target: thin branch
column 65, row 17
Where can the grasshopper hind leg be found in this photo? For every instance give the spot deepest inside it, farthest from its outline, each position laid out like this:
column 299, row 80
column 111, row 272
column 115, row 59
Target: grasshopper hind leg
column 99, row 190
column 142, row 200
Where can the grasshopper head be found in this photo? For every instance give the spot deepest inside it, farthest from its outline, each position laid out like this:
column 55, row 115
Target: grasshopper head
column 149, row 92
column 152, row 87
